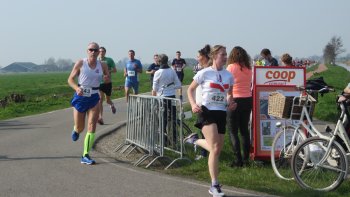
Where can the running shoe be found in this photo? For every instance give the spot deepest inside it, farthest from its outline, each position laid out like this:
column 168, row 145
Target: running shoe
column 87, row 160
column 113, row 109
column 191, row 139
column 215, row 190
column 100, row 121
column 75, row 136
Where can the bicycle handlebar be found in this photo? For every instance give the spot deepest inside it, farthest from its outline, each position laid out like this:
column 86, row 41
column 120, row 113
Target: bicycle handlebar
column 323, row 90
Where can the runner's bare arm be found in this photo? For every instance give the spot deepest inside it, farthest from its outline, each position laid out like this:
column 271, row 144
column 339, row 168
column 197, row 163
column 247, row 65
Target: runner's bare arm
column 106, row 76
column 125, row 74
column 190, row 95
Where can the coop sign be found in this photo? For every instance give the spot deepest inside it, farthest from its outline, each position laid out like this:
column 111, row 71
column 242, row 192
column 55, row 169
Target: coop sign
column 282, row 76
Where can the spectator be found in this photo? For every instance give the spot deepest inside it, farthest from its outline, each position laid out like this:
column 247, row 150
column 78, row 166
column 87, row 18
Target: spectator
column 240, row 68
column 287, row 60
column 165, row 83
column 269, row 60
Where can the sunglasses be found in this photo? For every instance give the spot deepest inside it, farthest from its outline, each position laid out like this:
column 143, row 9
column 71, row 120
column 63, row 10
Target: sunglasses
column 93, row 50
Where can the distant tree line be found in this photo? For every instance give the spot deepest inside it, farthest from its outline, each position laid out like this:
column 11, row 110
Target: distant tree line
column 62, row 64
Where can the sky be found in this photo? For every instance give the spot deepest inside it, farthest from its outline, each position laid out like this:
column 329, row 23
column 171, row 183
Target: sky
column 36, row 30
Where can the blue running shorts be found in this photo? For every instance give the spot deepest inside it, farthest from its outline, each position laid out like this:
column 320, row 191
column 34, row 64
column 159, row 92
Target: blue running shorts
column 132, row 84
column 82, row 103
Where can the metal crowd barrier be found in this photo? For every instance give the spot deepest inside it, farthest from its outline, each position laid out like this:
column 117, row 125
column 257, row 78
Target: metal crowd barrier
column 154, row 124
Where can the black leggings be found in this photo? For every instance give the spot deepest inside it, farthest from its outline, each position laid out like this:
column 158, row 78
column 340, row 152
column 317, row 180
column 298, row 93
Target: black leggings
column 169, row 115
column 238, row 119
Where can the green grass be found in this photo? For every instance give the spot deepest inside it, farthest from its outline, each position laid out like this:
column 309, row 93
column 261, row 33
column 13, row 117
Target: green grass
column 259, row 176
column 326, row 108
column 46, row 92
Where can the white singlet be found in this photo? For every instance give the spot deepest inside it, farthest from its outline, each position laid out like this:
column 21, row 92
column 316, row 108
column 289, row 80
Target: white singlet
column 215, row 85
column 90, row 78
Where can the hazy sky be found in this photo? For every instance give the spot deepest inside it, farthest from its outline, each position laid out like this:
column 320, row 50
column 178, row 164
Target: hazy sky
column 35, row 30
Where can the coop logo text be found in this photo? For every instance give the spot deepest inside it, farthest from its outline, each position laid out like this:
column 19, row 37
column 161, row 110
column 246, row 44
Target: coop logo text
column 279, row 77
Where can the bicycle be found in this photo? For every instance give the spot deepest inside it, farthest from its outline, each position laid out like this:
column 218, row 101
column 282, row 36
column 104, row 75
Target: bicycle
column 289, row 136
column 320, row 163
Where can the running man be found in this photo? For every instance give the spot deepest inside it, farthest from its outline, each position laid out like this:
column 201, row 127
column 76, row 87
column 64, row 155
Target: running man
column 132, row 68
column 178, row 65
column 89, row 72
column 153, row 68
column 106, row 87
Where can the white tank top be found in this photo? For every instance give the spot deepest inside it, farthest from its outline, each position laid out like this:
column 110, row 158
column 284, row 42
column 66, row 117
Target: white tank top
column 90, row 78
column 215, row 85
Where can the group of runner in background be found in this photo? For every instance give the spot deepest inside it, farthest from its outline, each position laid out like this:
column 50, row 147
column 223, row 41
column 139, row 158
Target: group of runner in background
column 217, row 94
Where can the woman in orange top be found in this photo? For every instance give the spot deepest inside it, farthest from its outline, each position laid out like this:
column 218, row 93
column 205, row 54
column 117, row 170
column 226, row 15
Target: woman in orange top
column 239, row 65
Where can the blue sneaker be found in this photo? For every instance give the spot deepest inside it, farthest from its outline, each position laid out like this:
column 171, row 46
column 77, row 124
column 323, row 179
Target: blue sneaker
column 75, row 135
column 87, row 160
column 215, row 190
column 191, row 139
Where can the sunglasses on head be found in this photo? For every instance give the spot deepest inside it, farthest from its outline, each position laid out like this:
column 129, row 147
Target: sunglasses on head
column 93, row 50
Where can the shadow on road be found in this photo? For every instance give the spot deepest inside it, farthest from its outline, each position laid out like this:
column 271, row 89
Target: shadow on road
column 18, row 125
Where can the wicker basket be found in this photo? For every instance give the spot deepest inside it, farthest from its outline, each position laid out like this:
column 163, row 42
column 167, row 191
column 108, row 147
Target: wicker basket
column 281, row 106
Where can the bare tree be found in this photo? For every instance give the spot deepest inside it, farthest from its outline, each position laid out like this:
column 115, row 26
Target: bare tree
column 333, row 49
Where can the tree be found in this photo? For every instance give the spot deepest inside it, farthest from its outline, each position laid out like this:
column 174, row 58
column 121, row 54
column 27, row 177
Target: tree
column 50, row 61
column 333, row 49
column 64, row 63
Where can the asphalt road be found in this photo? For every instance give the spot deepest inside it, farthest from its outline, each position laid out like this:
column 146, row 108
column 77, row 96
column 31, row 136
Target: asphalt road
column 38, row 158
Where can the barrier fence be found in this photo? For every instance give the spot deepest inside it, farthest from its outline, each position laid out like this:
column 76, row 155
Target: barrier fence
column 154, row 124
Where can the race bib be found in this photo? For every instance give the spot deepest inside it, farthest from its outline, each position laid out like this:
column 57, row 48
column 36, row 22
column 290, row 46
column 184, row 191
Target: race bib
column 217, row 98
column 178, row 69
column 87, row 92
column 131, row 73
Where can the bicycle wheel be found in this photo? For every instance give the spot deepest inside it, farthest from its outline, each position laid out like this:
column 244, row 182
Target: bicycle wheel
column 283, row 145
column 185, row 129
column 311, row 171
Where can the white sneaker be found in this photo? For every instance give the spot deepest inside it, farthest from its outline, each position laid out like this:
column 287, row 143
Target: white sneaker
column 191, row 139
column 215, row 190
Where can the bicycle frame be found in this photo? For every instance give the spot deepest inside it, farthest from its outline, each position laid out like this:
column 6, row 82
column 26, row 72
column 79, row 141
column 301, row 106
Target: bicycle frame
column 338, row 131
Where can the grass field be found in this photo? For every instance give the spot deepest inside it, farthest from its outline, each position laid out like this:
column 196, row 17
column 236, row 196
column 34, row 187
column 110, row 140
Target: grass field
column 50, row 91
